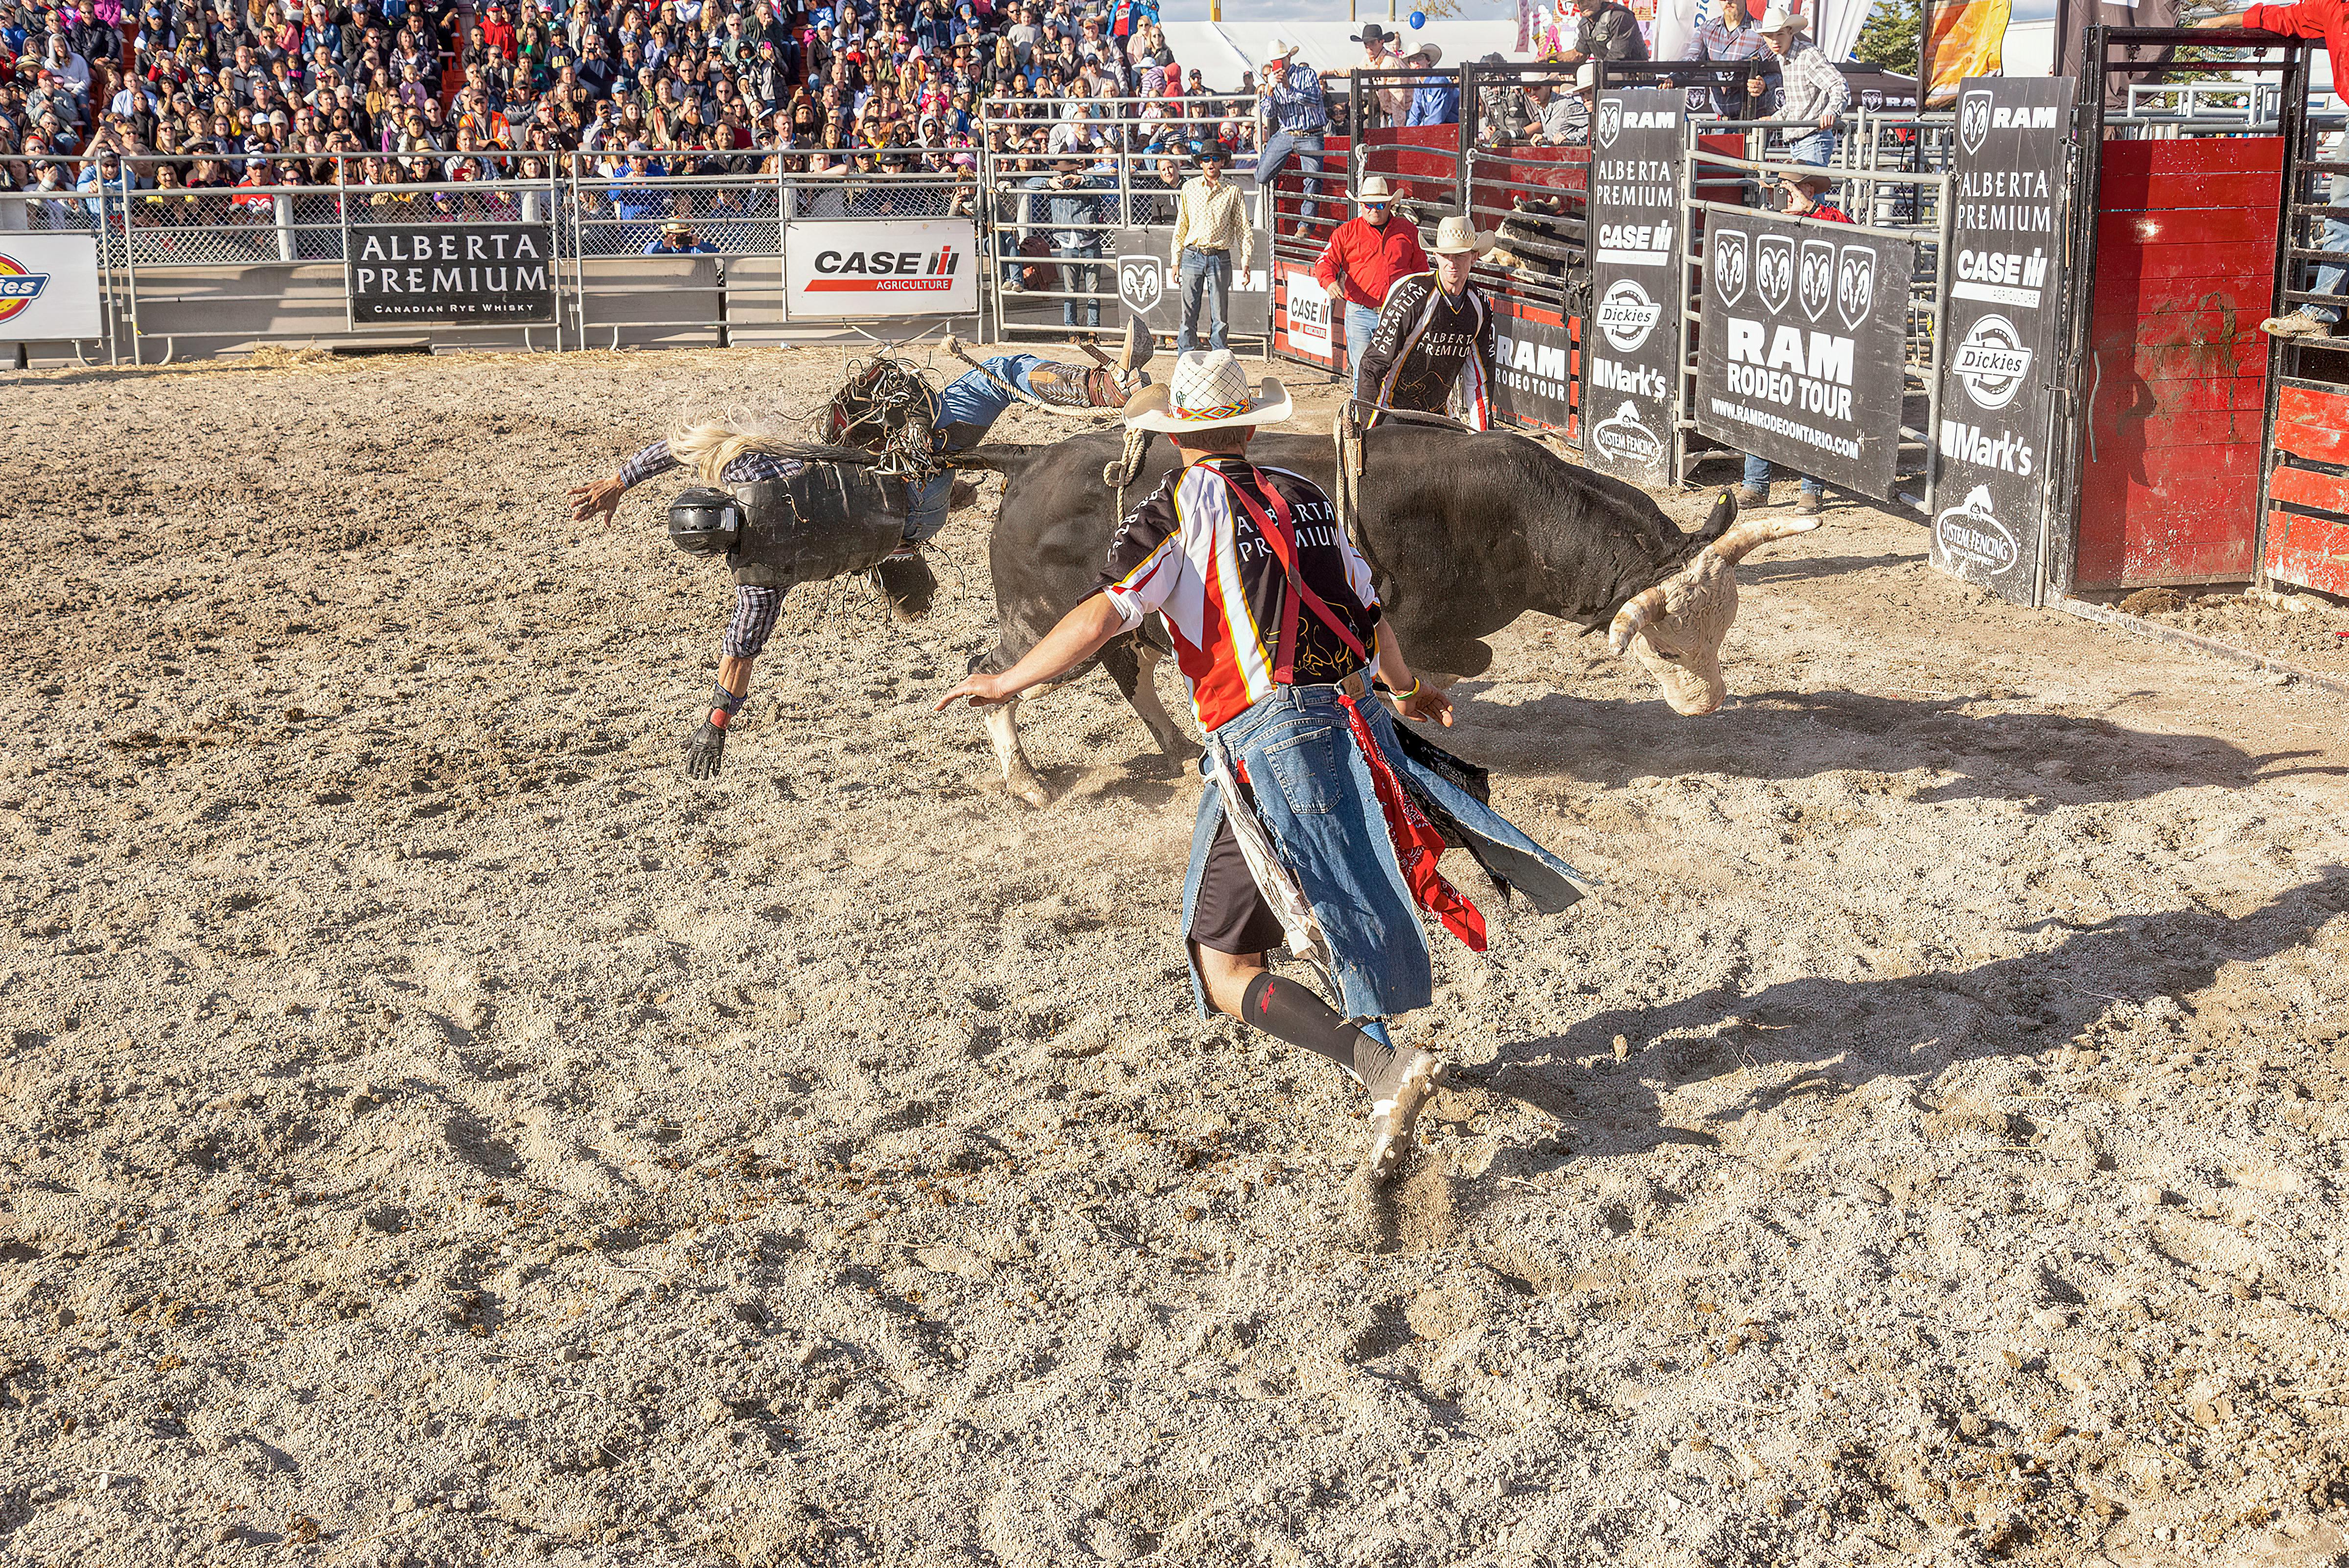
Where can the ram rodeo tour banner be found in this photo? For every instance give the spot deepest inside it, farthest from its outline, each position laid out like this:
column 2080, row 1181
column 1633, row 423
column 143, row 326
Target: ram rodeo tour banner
column 1632, row 360
column 1799, row 345
column 451, row 274
column 887, row 267
column 1997, row 402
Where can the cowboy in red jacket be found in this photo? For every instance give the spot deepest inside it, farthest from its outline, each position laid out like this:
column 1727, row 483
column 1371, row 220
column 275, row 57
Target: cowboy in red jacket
column 1364, row 257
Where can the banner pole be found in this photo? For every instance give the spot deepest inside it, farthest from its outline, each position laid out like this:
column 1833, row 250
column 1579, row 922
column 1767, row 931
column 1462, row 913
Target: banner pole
column 1925, row 53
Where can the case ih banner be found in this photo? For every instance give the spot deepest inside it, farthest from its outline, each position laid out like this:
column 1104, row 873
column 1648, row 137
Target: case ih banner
column 48, row 288
column 1632, row 360
column 445, row 274
column 1997, row 376
column 1799, row 347
column 899, row 266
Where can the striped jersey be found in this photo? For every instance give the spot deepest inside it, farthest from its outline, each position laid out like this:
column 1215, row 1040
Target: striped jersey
column 1426, row 341
column 1196, row 556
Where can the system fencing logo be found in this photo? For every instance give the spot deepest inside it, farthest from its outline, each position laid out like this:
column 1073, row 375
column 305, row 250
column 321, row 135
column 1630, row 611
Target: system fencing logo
column 1974, row 120
column 1855, row 285
column 1141, row 283
column 1774, row 272
column 1626, row 316
column 1991, row 362
column 1971, row 535
column 19, row 286
column 1818, row 277
column 1610, row 120
column 1626, row 440
column 1726, row 253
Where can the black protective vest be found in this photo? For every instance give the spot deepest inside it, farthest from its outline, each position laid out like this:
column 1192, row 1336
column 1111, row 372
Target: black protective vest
column 827, row 520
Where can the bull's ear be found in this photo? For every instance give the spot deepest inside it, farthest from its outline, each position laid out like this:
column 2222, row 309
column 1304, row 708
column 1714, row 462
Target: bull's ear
column 1720, row 519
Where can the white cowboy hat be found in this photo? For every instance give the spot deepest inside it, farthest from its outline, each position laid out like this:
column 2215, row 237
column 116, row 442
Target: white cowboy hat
column 1776, row 20
column 1373, row 189
column 1279, row 49
column 1434, row 55
column 1207, row 391
column 1457, row 236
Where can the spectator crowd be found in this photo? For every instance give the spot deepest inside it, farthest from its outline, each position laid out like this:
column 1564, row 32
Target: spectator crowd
column 239, row 97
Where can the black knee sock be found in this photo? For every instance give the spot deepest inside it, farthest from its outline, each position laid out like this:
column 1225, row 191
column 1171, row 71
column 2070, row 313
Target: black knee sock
column 1290, row 1012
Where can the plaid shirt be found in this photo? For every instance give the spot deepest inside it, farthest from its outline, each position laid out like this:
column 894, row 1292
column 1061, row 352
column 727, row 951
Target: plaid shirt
column 1715, row 41
column 1298, row 104
column 751, row 468
column 1810, row 87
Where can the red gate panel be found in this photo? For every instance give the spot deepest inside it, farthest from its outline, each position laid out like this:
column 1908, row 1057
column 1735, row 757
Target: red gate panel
column 2178, row 366
column 2308, row 492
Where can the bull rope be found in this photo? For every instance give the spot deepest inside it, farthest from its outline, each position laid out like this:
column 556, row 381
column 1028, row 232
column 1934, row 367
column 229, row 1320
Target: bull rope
column 1346, row 429
column 1122, row 471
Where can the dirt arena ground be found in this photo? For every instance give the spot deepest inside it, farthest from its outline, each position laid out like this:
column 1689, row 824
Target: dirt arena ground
column 437, row 1132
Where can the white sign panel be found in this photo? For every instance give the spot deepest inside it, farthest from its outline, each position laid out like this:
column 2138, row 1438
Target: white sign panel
column 48, row 288
column 1309, row 312
column 887, row 267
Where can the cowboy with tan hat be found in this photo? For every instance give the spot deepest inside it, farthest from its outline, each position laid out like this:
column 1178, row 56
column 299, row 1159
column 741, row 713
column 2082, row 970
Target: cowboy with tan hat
column 1434, row 334
column 1364, row 256
column 1314, row 831
column 1436, row 99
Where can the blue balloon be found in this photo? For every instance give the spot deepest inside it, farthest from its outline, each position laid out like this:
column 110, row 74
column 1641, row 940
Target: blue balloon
column 1418, row 20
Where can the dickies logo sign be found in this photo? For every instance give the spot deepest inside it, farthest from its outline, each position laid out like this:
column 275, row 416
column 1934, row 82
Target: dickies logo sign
column 19, row 286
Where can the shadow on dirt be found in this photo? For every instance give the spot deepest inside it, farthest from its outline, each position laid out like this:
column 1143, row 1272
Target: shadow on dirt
column 1854, row 1032
column 2003, row 755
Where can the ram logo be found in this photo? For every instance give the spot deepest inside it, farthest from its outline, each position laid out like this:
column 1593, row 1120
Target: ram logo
column 1818, row 277
column 1610, row 120
column 1974, row 120
column 1141, row 283
column 1855, row 285
column 1774, row 272
column 1728, row 265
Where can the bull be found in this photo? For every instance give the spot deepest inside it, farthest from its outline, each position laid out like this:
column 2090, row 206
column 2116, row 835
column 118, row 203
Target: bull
column 1464, row 533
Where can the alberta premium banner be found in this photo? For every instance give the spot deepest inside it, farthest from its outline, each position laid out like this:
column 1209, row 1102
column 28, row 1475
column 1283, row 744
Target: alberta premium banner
column 1631, row 360
column 1998, row 397
column 1799, row 349
column 451, row 275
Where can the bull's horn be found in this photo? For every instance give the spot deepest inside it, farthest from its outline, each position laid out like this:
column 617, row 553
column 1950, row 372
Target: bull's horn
column 1645, row 609
column 1753, row 533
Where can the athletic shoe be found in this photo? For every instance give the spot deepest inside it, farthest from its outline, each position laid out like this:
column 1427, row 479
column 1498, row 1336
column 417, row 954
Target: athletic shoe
column 2300, row 323
column 1752, row 495
column 1396, row 1095
column 1810, row 504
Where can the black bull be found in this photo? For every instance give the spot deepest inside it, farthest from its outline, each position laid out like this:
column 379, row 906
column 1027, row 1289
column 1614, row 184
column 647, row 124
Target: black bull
column 1463, row 533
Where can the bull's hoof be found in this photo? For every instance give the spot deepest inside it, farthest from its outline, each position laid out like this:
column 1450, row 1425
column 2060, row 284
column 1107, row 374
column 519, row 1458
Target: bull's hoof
column 961, row 494
column 1029, row 788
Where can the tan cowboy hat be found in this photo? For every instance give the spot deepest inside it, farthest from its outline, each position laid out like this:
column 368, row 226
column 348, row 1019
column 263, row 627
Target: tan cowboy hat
column 1776, row 20
column 1457, row 236
column 1208, row 390
column 1373, row 190
column 1434, row 55
column 1278, row 51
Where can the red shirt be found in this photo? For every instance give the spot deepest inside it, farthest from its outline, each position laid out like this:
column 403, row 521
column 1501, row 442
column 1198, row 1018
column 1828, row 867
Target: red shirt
column 1827, row 212
column 2325, row 19
column 1371, row 259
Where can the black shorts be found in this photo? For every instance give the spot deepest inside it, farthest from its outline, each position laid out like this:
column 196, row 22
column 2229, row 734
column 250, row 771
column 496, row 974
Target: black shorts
column 1230, row 915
